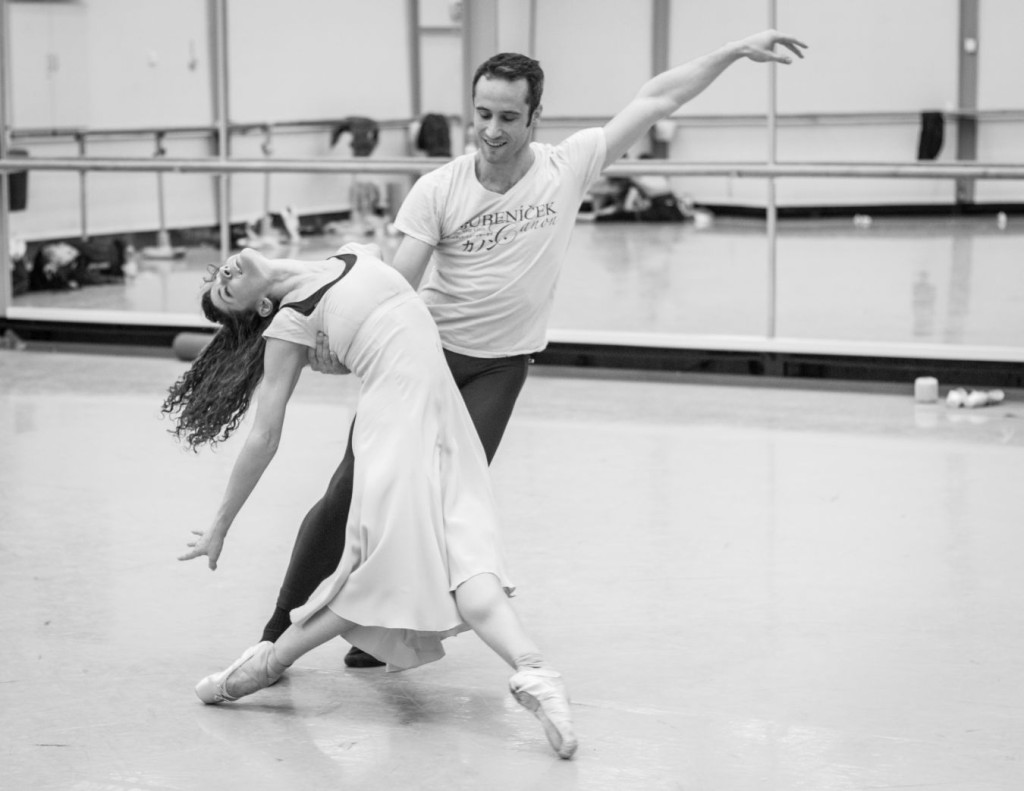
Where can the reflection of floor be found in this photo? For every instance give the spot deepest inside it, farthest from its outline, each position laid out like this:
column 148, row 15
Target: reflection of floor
column 748, row 587
column 900, row 281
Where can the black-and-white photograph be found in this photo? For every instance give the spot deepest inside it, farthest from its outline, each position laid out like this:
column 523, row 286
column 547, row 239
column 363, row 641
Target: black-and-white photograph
column 560, row 395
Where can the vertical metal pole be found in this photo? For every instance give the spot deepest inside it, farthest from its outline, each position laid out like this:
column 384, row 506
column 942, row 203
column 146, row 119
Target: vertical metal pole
column 468, row 68
column 6, row 269
column 83, row 195
column 479, row 42
column 268, row 151
column 162, row 220
column 771, row 212
column 415, row 58
column 660, row 22
column 221, row 116
column 163, row 239
column 967, row 96
column 533, row 30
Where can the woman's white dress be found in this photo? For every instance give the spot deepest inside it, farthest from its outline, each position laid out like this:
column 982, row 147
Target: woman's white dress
column 423, row 518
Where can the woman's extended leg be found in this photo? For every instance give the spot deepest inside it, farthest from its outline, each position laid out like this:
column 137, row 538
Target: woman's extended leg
column 264, row 663
column 301, row 638
column 483, row 604
column 485, row 607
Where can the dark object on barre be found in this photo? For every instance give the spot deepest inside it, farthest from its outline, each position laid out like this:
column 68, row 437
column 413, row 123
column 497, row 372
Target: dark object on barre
column 17, row 183
column 365, row 132
column 434, row 137
column 933, row 127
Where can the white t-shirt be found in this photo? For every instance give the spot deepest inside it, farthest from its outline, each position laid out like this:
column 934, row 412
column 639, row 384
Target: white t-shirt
column 497, row 257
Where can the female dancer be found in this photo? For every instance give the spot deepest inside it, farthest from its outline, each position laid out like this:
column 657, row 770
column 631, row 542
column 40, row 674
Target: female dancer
column 422, row 558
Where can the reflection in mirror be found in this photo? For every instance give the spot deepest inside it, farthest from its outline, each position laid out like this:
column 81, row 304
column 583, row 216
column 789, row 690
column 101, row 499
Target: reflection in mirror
column 836, row 281
column 160, row 98
column 898, row 281
column 713, row 275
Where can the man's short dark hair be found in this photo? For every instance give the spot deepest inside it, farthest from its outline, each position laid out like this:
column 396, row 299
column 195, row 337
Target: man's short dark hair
column 511, row 66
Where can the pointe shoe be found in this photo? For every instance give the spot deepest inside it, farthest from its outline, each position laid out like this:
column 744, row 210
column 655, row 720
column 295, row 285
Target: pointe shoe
column 254, row 670
column 542, row 691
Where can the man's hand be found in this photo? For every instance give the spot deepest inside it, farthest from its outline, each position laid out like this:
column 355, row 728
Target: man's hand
column 322, row 360
column 760, row 47
column 209, row 543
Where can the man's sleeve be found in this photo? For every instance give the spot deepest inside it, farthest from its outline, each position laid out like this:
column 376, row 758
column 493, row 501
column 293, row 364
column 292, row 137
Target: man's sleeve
column 586, row 151
column 419, row 214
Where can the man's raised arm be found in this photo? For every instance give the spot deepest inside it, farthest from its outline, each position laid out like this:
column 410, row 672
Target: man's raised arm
column 665, row 93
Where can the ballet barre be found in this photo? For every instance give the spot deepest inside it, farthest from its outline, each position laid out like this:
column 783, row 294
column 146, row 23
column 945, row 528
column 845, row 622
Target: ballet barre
column 408, row 165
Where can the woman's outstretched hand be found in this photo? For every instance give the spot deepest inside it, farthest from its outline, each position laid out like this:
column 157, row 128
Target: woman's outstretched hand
column 209, row 543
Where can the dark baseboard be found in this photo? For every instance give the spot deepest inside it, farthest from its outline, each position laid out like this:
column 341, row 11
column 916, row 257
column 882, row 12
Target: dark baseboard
column 783, row 365
column 151, row 339
column 70, row 333
column 924, row 210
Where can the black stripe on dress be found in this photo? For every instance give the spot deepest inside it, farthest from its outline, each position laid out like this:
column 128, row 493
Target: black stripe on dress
column 308, row 305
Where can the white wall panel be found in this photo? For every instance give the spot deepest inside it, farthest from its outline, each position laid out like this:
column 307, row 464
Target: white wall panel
column 49, row 65
column 871, row 56
column 441, row 58
column 595, row 54
column 149, row 63
column 1000, row 55
column 312, row 59
column 698, row 28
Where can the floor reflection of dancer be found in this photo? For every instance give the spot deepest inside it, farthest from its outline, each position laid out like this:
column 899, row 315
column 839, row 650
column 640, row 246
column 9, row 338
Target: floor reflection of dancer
column 422, row 559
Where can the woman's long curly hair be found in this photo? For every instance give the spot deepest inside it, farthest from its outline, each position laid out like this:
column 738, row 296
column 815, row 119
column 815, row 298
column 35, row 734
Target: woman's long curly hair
column 213, row 395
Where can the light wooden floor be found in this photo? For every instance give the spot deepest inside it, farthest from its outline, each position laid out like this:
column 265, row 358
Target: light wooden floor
column 749, row 586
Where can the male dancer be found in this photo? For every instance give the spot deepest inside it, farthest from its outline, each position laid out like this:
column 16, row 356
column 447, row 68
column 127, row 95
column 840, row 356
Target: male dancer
column 497, row 223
